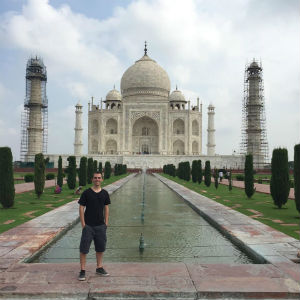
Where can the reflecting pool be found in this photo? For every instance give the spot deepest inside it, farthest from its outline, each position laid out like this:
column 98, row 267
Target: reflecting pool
column 172, row 231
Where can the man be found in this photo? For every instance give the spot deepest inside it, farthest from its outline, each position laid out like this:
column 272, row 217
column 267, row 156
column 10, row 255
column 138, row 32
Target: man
column 93, row 212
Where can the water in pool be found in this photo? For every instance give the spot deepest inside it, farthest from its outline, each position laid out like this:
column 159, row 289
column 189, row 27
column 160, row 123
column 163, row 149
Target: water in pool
column 172, row 231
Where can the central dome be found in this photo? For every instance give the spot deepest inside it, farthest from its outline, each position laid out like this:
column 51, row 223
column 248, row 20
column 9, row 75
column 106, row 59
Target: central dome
column 145, row 77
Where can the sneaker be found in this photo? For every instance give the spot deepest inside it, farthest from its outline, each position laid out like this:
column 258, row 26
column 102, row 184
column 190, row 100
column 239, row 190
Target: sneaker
column 81, row 276
column 101, row 272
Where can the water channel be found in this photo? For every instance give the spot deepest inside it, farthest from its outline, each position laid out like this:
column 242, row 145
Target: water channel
column 172, row 231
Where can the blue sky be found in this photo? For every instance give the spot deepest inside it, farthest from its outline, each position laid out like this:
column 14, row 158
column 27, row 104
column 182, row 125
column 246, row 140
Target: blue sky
column 203, row 45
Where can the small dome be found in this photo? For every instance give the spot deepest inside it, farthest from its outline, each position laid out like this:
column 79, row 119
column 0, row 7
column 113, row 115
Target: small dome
column 146, row 76
column 177, row 96
column 254, row 64
column 113, row 95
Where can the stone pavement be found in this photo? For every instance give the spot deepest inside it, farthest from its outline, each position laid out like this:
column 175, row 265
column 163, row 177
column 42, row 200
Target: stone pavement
column 261, row 188
column 279, row 279
column 29, row 186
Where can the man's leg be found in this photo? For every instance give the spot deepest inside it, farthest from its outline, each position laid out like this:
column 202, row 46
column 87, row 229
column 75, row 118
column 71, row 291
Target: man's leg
column 82, row 261
column 99, row 256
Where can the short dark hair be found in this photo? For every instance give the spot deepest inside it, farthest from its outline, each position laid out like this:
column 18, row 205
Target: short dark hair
column 97, row 172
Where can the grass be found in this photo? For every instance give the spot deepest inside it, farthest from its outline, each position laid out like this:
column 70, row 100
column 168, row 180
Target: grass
column 260, row 202
column 27, row 206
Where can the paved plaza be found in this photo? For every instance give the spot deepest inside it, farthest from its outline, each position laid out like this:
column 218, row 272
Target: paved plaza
column 277, row 277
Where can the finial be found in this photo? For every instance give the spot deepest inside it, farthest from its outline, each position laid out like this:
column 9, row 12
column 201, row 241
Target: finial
column 114, row 86
column 145, row 50
column 176, row 87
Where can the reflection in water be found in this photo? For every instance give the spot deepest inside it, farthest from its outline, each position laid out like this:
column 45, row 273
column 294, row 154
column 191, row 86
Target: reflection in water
column 171, row 230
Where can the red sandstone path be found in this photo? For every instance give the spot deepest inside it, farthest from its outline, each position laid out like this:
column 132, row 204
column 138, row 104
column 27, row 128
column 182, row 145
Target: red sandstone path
column 29, row 186
column 261, row 188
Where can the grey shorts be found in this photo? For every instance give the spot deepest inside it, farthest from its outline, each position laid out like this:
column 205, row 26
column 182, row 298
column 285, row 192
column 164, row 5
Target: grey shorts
column 90, row 233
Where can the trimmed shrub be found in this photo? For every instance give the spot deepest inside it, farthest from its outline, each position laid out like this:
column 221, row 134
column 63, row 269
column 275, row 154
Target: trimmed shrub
column 60, row 175
column 216, row 178
column 194, row 170
column 7, row 188
column 124, row 169
column 95, row 166
column 230, row 181
column 297, row 175
column 199, row 169
column 249, row 178
column 279, row 184
column 207, row 174
column 39, row 174
column 107, row 170
column 100, row 168
column 50, row 176
column 29, row 177
column 82, row 174
column 71, row 180
column 240, row 177
column 90, row 170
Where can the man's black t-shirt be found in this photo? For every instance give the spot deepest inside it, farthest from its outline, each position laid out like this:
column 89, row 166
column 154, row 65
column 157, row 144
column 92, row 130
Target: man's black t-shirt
column 94, row 205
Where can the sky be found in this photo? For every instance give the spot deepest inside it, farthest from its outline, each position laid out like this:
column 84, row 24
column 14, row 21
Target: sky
column 203, row 45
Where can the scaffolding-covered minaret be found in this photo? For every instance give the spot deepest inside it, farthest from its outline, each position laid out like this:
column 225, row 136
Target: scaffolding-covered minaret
column 34, row 122
column 254, row 134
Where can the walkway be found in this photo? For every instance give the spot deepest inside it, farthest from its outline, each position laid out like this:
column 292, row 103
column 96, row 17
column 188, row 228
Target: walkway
column 29, row 186
column 278, row 279
column 261, row 188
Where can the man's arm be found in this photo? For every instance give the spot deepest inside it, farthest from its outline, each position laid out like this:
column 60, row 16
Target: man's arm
column 106, row 214
column 81, row 215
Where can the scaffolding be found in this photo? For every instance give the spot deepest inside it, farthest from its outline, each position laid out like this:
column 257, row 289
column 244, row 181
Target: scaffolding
column 35, row 99
column 254, row 133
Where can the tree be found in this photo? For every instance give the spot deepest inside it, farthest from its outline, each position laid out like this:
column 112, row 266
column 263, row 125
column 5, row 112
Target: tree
column 249, row 176
column 90, row 170
column 7, row 188
column 280, row 181
column 107, row 170
column 194, row 170
column 60, row 172
column 216, row 178
column 297, row 176
column 71, row 172
column 82, row 171
column 100, row 169
column 230, row 181
column 207, row 174
column 95, row 166
column 187, row 171
column 39, row 174
column 199, row 175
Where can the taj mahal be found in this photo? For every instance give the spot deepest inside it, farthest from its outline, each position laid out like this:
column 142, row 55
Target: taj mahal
column 144, row 125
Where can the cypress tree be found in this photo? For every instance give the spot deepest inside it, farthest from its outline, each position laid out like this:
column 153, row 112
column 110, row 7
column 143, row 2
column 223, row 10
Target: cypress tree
column 39, row 174
column 216, row 178
column 95, row 166
column 7, row 188
column 71, row 180
column 82, row 171
column 187, row 171
column 230, row 181
column 194, row 170
column 100, row 169
column 297, row 176
column 107, row 170
column 199, row 169
column 249, row 176
column 280, row 181
column 207, row 174
column 90, row 170
column 60, row 172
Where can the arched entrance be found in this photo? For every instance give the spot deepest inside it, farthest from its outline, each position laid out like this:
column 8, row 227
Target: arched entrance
column 145, row 136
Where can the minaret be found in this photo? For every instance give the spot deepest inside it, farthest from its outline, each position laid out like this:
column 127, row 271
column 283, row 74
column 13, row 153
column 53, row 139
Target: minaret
column 78, row 130
column 35, row 116
column 211, row 131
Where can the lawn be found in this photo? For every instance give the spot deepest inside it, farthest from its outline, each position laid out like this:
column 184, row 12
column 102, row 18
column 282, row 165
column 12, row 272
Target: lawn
column 27, row 206
column 264, row 177
column 285, row 219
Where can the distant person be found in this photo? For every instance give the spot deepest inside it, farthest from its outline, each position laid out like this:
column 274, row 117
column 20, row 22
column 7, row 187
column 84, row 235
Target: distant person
column 78, row 190
column 221, row 176
column 94, row 213
column 57, row 189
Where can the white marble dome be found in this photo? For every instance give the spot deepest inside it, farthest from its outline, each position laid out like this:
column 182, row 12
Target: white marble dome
column 177, row 96
column 113, row 95
column 146, row 77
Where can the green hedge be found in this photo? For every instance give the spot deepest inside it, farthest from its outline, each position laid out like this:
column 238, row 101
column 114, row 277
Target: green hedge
column 28, row 177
